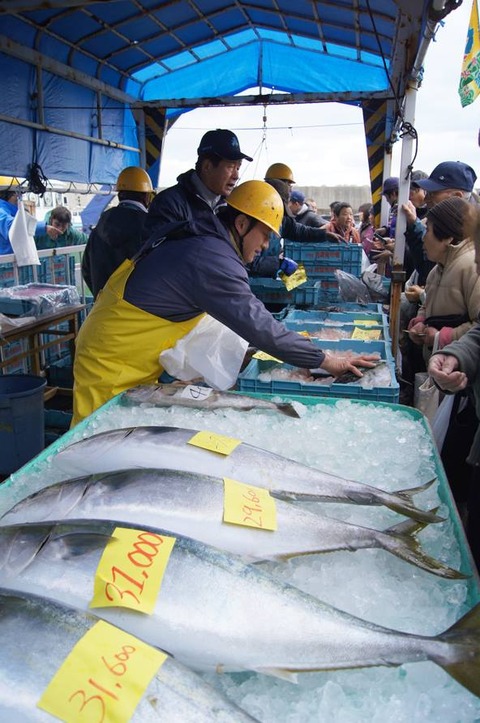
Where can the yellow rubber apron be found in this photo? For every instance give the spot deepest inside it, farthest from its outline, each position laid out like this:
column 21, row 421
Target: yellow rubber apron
column 118, row 346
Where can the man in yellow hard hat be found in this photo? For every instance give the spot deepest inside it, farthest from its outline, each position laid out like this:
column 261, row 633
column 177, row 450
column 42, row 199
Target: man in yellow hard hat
column 272, row 260
column 119, row 233
column 201, row 191
column 154, row 300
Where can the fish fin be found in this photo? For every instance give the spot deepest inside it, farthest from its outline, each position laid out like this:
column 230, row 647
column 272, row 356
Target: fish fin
column 400, row 541
column 465, row 637
column 409, row 492
column 409, row 527
column 289, row 409
column 281, row 673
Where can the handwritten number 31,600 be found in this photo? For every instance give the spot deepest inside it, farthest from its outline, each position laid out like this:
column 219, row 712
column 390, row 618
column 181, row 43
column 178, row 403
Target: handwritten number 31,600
column 144, row 550
column 117, row 669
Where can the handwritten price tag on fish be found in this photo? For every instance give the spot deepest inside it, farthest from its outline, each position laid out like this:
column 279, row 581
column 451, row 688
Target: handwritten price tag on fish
column 103, row 678
column 131, row 570
column 192, row 391
column 248, row 505
column 365, row 322
column 214, row 442
column 360, row 333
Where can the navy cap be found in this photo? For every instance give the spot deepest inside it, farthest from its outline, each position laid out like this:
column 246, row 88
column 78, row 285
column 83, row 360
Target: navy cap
column 450, row 174
column 390, row 184
column 297, row 197
column 223, row 143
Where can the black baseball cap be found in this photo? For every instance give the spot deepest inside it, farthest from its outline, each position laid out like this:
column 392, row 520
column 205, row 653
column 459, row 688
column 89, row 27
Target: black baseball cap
column 223, row 143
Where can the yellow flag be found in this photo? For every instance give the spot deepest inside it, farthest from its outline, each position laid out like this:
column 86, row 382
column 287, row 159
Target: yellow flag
column 469, row 86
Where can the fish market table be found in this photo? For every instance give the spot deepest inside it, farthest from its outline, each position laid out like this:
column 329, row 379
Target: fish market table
column 335, row 435
column 32, row 332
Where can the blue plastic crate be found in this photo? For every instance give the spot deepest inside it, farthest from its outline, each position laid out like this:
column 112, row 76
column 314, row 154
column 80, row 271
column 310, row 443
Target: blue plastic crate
column 313, row 327
column 273, row 291
column 248, row 380
column 324, row 256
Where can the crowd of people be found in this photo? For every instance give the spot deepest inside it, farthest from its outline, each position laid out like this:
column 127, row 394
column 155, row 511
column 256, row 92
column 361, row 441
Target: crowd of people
column 152, row 262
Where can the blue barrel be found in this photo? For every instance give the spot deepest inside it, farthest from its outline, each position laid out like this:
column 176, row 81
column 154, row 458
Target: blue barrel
column 22, row 425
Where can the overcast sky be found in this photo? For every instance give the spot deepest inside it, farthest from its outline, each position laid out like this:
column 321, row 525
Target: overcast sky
column 324, row 143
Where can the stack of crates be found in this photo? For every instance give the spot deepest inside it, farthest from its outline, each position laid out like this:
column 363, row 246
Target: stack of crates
column 322, row 259
column 363, row 332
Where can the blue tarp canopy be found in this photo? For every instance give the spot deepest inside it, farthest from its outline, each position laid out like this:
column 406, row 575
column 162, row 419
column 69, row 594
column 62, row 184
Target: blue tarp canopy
column 78, row 78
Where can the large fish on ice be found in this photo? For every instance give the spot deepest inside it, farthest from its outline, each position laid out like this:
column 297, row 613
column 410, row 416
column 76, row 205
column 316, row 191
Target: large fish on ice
column 199, row 397
column 192, row 504
column 168, row 448
column 213, row 612
column 38, row 634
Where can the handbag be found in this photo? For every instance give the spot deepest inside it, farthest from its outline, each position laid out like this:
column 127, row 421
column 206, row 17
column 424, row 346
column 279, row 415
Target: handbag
column 426, row 395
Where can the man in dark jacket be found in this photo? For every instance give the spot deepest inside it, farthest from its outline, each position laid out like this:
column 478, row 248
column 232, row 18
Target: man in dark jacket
column 302, row 211
column 272, row 260
column 201, row 191
column 119, row 233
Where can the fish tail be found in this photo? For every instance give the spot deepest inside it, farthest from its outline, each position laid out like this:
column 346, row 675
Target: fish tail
column 398, row 503
column 288, row 409
column 464, row 637
column 411, row 491
column 400, row 541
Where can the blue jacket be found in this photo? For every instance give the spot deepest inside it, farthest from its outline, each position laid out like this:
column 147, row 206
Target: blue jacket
column 8, row 211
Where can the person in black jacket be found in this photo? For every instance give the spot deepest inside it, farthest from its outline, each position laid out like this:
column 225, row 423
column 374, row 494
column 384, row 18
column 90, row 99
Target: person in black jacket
column 119, row 233
column 302, row 211
column 201, row 191
column 271, row 261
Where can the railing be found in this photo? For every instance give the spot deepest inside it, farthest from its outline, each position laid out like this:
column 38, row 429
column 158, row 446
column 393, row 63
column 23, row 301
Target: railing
column 57, row 266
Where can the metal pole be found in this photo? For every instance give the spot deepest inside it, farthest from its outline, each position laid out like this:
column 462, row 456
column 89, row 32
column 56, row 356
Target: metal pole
column 398, row 272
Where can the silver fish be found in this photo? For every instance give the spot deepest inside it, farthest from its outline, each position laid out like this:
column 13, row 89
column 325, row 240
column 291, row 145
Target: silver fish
column 192, row 504
column 38, row 634
column 214, row 612
column 198, row 397
column 168, row 448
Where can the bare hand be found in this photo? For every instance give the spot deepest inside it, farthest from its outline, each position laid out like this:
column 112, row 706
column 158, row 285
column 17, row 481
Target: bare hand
column 417, row 333
column 413, row 293
column 336, row 366
column 443, row 368
column 53, row 232
column 410, row 212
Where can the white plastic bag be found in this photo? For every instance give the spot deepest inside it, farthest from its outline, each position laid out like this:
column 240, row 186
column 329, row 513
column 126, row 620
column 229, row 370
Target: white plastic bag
column 441, row 420
column 21, row 235
column 211, row 351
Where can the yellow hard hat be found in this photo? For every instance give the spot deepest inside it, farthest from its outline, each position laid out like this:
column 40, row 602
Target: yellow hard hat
column 280, row 171
column 258, row 200
column 134, row 178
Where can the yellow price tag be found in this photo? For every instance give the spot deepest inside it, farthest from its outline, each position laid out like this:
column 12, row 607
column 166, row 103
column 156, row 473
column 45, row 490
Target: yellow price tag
column 248, row 505
column 103, row 678
column 215, row 442
column 298, row 278
column 304, row 333
column 263, row 356
column 359, row 333
column 365, row 322
column 131, row 570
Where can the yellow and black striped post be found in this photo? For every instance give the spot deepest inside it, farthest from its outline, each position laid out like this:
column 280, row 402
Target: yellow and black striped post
column 375, row 123
column 155, row 129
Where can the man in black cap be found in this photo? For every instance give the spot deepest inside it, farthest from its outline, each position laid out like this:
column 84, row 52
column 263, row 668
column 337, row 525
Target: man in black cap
column 449, row 178
column 201, row 191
